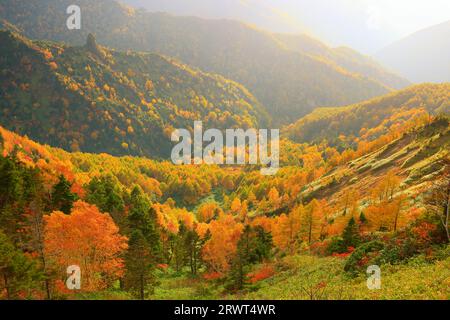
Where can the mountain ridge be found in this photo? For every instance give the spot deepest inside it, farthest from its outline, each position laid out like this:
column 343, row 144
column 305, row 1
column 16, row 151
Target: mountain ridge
column 421, row 56
column 100, row 100
column 371, row 117
column 288, row 83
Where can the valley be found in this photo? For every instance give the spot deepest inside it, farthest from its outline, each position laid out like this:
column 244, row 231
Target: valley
column 358, row 169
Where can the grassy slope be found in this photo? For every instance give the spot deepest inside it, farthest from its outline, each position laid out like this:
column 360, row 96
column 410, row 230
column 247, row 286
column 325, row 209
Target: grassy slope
column 416, row 157
column 298, row 276
column 416, row 280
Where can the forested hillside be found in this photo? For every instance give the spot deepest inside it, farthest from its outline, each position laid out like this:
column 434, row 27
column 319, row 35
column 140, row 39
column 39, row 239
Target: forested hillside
column 210, row 232
column 347, row 126
column 287, row 81
column 343, row 57
column 97, row 100
column 87, row 188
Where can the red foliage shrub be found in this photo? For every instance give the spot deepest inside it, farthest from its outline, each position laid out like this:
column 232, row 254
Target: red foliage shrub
column 423, row 231
column 265, row 272
column 61, row 288
column 212, row 276
column 162, row 266
column 363, row 261
column 319, row 248
column 345, row 254
column 321, row 285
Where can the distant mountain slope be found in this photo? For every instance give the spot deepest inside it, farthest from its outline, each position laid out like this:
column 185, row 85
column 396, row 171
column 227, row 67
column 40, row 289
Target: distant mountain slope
column 287, row 82
column 343, row 57
column 92, row 99
column 254, row 12
column 422, row 56
column 371, row 118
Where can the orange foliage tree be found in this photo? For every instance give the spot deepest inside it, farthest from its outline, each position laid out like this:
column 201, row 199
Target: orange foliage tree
column 386, row 216
column 207, row 211
column 312, row 220
column 86, row 238
column 220, row 249
column 285, row 229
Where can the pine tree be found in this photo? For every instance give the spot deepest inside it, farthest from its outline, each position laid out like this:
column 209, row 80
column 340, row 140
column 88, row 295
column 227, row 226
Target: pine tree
column 263, row 244
column 19, row 186
column 238, row 275
column 253, row 247
column 10, row 181
column 17, row 271
column 143, row 217
column 362, row 218
column 62, row 198
column 106, row 194
column 350, row 235
column 140, row 265
column 239, row 267
column 11, row 193
column 194, row 245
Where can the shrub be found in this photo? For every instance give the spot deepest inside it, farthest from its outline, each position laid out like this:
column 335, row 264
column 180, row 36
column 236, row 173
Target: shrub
column 320, row 248
column 212, row 276
column 336, row 246
column 360, row 258
column 265, row 272
column 345, row 254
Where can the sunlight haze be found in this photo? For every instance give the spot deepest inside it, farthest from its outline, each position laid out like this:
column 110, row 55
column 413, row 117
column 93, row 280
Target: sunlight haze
column 366, row 25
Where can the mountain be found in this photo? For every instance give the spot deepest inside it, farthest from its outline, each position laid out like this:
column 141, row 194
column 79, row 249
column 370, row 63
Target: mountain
column 422, row 56
column 94, row 99
column 363, row 25
column 288, row 83
column 343, row 57
column 418, row 156
column 383, row 194
column 85, row 181
column 373, row 118
column 255, row 12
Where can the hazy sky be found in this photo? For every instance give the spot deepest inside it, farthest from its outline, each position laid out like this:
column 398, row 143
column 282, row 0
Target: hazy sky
column 366, row 25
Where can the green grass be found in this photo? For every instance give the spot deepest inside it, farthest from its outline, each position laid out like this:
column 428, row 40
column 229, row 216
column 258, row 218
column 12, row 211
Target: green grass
column 309, row 277
column 104, row 295
column 305, row 277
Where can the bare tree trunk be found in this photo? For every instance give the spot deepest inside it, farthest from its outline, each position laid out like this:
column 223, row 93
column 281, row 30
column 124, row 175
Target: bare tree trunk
column 395, row 221
column 38, row 224
column 446, row 213
column 8, row 293
column 195, row 261
column 397, row 214
column 142, row 286
column 310, row 232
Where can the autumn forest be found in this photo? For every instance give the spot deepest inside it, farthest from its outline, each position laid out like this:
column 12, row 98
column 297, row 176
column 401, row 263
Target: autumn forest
column 86, row 179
